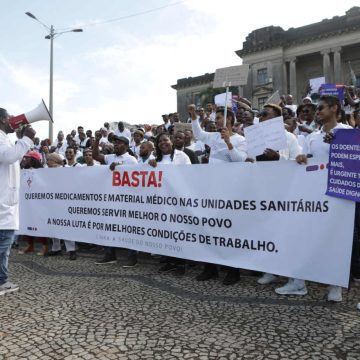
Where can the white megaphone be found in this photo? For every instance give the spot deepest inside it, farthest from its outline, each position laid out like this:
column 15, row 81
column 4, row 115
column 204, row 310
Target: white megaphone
column 41, row 112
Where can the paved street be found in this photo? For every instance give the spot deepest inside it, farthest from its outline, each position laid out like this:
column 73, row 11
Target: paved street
column 78, row 310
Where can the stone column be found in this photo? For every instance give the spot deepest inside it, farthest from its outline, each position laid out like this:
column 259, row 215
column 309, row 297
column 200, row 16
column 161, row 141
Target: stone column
column 337, row 65
column 326, row 65
column 293, row 91
column 284, row 78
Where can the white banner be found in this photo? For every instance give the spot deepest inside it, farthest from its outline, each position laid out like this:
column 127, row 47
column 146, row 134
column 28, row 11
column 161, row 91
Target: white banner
column 271, row 217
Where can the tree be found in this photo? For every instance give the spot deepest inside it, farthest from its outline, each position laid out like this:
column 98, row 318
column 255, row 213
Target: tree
column 208, row 95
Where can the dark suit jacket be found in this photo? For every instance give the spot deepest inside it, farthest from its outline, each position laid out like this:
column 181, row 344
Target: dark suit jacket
column 192, row 156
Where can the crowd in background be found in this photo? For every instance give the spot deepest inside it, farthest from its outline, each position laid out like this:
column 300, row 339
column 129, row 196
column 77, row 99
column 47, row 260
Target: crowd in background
column 208, row 138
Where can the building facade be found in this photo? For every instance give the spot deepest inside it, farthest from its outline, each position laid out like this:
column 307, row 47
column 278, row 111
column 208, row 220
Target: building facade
column 288, row 60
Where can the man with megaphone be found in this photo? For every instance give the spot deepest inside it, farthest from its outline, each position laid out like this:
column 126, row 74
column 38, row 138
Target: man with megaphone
column 10, row 155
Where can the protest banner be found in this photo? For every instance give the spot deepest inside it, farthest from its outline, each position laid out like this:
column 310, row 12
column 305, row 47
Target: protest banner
column 231, row 76
column 333, row 89
column 344, row 165
column 269, row 134
column 269, row 217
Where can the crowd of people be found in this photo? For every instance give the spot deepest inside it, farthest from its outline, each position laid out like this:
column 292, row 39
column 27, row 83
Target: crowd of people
column 209, row 138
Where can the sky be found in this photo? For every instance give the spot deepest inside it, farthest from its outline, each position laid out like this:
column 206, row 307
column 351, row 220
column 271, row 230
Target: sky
column 122, row 70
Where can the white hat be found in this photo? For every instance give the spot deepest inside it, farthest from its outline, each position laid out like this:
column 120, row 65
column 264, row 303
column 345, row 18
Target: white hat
column 307, row 98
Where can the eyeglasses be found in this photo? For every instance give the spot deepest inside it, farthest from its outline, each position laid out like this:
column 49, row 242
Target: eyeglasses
column 321, row 107
column 305, row 111
column 264, row 113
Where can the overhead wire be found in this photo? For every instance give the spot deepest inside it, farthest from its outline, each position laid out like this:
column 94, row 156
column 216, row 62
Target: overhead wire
column 124, row 17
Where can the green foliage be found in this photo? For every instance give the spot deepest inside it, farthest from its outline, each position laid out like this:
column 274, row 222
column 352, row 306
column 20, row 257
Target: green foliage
column 208, row 95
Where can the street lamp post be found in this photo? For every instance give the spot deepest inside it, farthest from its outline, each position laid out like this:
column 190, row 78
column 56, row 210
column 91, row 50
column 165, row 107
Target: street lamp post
column 51, row 36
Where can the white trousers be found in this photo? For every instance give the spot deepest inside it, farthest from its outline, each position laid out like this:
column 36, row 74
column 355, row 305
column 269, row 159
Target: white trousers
column 56, row 246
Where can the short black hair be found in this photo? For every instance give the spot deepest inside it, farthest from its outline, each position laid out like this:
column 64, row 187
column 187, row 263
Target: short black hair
column 331, row 100
column 228, row 114
column 3, row 113
column 71, row 147
column 35, row 163
column 87, row 150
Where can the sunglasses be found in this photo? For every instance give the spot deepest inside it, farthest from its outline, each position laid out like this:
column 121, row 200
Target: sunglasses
column 263, row 113
column 321, row 107
column 305, row 111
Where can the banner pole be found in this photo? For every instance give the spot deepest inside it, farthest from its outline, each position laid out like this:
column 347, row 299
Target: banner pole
column 225, row 111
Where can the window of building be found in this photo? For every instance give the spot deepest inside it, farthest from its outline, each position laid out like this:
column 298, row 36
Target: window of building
column 357, row 81
column 197, row 99
column 262, row 102
column 262, row 77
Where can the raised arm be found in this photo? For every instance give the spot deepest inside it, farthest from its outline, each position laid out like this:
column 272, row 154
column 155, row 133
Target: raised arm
column 95, row 151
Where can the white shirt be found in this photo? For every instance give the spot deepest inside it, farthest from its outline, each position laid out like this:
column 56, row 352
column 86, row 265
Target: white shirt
column 312, row 126
column 212, row 116
column 78, row 154
column 292, row 107
column 302, row 142
column 198, row 147
column 104, row 140
column 136, row 148
column 37, row 147
column 96, row 163
column 141, row 161
column 60, row 150
column 124, row 159
column 125, row 133
column 315, row 144
column 180, row 158
column 74, row 165
column 10, row 155
column 148, row 135
column 82, row 144
column 219, row 150
column 293, row 148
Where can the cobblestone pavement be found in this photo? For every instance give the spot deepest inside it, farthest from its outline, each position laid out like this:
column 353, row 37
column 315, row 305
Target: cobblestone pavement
column 78, row 310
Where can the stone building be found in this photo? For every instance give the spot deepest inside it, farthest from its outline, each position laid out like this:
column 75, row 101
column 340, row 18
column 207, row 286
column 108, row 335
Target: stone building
column 287, row 60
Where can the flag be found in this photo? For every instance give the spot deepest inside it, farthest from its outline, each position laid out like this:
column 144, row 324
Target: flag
column 352, row 75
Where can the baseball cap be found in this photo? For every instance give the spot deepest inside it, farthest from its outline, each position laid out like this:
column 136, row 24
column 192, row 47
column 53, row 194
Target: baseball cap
column 122, row 139
column 33, row 154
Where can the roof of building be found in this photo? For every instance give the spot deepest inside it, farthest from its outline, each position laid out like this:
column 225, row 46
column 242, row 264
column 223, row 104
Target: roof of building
column 274, row 36
column 192, row 81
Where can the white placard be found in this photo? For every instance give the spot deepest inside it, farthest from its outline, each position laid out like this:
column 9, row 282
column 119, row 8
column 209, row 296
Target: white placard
column 220, row 99
column 269, row 134
column 315, row 84
column 231, row 76
column 274, row 98
column 269, row 216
